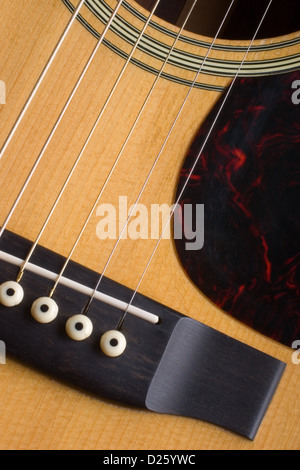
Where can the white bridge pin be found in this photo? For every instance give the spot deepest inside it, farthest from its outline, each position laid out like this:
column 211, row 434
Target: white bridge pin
column 44, row 310
column 79, row 327
column 11, row 293
column 113, row 343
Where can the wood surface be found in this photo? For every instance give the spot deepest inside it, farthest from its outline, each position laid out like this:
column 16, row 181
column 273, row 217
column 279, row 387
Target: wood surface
column 38, row 412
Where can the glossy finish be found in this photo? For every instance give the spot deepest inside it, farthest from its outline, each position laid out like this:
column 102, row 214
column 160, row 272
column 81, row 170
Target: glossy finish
column 178, row 366
column 11, row 293
column 208, row 375
column 44, row 310
column 246, row 177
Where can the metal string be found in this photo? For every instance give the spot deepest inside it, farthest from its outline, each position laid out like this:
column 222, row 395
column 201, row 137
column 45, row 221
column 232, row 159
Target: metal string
column 99, row 42
column 156, row 160
column 23, row 267
column 120, row 153
column 120, row 324
column 30, row 253
column 40, row 79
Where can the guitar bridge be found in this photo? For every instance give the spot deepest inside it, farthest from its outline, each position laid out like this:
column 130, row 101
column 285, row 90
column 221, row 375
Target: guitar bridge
column 175, row 365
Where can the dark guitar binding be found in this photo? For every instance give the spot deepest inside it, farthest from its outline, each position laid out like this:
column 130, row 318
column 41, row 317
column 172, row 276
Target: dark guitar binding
column 178, row 366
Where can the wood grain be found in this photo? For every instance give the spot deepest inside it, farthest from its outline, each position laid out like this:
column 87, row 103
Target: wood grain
column 161, row 368
column 41, row 413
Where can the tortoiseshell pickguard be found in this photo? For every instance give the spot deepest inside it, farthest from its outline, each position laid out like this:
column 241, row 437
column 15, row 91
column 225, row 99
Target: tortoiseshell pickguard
column 247, row 177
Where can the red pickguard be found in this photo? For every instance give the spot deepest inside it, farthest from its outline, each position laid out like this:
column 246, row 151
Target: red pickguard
column 248, row 180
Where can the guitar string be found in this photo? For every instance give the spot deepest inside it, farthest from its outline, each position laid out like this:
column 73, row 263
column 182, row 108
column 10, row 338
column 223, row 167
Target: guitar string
column 154, row 165
column 61, row 115
column 78, row 159
column 88, row 305
column 121, row 322
column 40, row 79
column 115, row 162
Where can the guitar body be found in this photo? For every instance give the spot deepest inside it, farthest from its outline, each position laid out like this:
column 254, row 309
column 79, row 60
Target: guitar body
column 38, row 412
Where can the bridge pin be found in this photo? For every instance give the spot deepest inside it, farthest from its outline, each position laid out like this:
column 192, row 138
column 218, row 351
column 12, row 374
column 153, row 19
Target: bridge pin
column 44, row 310
column 79, row 327
column 113, row 343
column 11, row 293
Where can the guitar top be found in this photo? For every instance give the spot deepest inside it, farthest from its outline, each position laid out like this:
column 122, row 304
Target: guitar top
column 109, row 125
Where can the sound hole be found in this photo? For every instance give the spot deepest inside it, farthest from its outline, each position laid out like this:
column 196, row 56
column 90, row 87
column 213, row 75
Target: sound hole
column 282, row 17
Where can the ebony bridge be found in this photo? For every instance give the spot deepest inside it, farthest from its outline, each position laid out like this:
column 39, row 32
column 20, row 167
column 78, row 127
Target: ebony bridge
column 176, row 366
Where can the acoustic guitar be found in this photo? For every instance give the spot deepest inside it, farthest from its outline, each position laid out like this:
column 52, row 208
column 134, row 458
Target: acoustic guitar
column 103, row 107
